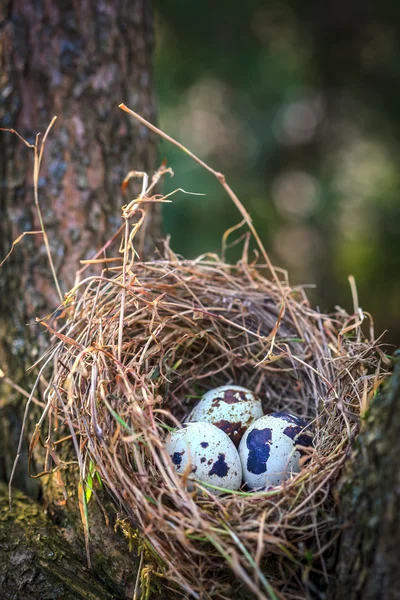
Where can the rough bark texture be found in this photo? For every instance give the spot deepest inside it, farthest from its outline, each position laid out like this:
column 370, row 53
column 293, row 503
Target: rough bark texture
column 76, row 60
column 368, row 566
column 36, row 561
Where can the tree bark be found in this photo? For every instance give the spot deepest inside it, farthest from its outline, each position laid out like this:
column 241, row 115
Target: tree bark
column 36, row 561
column 368, row 558
column 76, row 60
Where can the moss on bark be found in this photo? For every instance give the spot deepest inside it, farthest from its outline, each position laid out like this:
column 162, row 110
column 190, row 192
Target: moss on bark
column 36, row 561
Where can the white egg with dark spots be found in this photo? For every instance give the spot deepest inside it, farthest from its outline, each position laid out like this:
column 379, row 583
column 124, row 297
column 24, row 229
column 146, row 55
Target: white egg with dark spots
column 231, row 408
column 269, row 449
column 210, row 454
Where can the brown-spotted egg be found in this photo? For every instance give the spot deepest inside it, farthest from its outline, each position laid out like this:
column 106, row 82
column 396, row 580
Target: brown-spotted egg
column 210, row 453
column 231, row 408
column 269, row 449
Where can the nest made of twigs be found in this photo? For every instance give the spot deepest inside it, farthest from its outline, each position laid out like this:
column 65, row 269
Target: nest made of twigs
column 143, row 341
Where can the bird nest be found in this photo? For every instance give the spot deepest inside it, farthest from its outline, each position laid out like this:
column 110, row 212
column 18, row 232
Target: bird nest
column 141, row 343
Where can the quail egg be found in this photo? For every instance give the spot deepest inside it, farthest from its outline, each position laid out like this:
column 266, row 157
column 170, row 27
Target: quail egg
column 210, row 454
column 231, row 408
column 268, row 449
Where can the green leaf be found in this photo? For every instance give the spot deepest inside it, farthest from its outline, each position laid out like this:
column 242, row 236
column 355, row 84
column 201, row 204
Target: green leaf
column 89, row 488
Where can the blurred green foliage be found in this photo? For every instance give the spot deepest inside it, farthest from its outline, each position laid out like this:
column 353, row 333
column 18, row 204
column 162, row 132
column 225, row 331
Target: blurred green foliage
column 297, row 103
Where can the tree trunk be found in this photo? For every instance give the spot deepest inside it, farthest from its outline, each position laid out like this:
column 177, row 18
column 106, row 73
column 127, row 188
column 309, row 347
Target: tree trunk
column 36, row 561
column 76, row 60
column 369, row 550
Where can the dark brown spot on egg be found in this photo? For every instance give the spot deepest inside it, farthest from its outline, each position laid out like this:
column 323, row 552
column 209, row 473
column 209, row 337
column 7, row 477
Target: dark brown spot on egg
column 234, row 430
column 229, row 396
column 233, row 396
column 216, row 402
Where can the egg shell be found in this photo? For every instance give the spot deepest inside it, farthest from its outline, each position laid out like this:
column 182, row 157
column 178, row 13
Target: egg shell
column 268, row 449
column 212, row 456
column 231, row 408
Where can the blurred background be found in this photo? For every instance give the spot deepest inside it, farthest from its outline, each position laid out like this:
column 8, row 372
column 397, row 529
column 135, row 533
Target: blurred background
column 298, row 104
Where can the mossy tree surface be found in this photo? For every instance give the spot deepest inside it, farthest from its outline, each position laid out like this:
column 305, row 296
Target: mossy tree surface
column 36, row 561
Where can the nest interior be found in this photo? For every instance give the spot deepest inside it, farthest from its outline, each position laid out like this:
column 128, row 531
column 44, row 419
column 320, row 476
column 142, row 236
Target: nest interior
column 142, row 342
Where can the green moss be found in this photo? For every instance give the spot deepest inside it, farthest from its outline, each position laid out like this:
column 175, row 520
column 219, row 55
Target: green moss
column 37, row 562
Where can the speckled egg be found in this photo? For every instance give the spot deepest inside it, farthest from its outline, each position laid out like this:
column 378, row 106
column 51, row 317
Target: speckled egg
column 212, row 456
column 268, row 449
column 231, row 408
